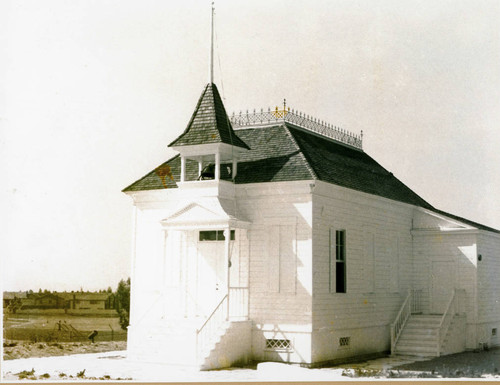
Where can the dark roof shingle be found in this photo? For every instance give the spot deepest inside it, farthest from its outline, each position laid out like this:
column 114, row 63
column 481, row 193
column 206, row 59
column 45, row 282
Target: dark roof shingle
column 209, row 122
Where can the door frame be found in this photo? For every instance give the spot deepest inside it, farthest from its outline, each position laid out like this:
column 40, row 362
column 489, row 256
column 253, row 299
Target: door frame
column 453, row 264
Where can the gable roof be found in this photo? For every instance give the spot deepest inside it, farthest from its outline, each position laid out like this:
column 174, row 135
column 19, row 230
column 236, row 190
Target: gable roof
column 209, row 123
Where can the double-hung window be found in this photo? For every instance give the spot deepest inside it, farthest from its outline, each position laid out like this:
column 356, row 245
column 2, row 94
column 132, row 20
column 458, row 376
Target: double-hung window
column 338, row 276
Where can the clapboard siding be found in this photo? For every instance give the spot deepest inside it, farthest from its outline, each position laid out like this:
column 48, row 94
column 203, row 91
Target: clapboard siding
column 379, row 266
column 280, row 300
column 459, row 249
column 488, row 273
column 274, row 298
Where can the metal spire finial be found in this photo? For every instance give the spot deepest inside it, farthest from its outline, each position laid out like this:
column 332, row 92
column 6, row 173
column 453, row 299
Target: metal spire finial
column 212, row 44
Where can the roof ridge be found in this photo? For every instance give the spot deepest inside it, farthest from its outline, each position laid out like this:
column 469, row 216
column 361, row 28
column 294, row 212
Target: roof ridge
column 309, row 166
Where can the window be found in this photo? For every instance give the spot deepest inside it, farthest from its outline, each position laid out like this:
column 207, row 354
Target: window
column 277, row 344
column 494, row 331
column 338, row 265
column 215, row 235
column 340, row 276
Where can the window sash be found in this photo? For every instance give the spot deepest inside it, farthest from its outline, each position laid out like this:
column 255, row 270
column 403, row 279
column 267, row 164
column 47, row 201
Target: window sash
column 337, row 266
column 214, row 235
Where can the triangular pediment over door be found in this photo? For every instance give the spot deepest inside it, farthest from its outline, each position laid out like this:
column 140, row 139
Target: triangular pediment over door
column 208, row 213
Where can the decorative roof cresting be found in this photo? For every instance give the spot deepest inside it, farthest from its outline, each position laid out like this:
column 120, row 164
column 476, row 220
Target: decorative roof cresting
column 299, row 119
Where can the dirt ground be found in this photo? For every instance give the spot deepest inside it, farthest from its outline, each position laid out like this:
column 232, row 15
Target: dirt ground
column 20, row 349
column 468, row 364
column 115, row 365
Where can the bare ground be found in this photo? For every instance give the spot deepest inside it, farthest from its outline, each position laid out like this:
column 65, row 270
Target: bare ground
column 21, row 349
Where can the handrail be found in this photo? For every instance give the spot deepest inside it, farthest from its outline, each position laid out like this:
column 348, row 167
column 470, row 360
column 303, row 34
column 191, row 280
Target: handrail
column 211, row 314
column 400, row 321
column 403, row 305
column 441, row 331
column 238, row 302
column 214, row 320
column 447, row 308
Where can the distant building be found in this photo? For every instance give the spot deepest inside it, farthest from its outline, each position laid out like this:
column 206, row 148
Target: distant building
column 62, row 300
column 87, row 301
column 8, row 296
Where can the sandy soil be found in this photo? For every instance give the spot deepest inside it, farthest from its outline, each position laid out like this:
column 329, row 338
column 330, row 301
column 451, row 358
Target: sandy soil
column 19, row 349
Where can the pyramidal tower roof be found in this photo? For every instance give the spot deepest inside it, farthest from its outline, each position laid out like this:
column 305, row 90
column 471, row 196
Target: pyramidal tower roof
column 209, row 123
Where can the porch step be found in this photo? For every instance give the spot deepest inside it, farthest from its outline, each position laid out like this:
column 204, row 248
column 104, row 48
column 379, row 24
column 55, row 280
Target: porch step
column 230, row 346
column 419, row 336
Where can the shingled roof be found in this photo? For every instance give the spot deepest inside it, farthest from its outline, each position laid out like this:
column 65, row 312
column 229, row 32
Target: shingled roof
column 285, row 153
column 209, row 123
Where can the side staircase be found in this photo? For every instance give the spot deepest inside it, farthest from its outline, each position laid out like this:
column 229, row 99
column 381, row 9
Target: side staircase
column 428, row 335
column 216, row 342
column 419, row 336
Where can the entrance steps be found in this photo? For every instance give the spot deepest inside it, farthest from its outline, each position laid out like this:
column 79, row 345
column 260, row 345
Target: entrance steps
column 175, row 342
column 420, row 336
column 229, row 346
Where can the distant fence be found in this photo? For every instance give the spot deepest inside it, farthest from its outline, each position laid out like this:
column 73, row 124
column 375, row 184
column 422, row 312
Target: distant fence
column 50, row 335
column 80, row 312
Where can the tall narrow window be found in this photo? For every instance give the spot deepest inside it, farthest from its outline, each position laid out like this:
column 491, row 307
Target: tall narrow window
column 340, row 268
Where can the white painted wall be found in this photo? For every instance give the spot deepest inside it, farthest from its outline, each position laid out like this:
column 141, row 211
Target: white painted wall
column 458, row 248
column 488, row 296
column 280, row 231
column 280, row 266
column 379, row 265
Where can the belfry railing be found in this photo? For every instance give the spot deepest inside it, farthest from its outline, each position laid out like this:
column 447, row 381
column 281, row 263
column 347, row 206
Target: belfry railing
column 270, row 117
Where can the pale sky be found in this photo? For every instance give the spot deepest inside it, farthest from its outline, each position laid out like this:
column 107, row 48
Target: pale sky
column 94, row 91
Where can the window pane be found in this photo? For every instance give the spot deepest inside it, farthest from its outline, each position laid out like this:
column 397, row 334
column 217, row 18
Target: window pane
column 215, row 235
column 340, row 277
column 208, row 235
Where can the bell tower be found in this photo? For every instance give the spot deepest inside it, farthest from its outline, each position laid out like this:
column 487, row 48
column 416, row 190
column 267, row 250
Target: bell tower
column 209, row 137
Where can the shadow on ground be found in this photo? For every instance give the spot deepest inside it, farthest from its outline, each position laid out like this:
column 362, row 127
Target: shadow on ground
column 477, row 364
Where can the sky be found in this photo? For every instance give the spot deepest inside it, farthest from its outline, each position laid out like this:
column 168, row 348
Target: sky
column 92, row 92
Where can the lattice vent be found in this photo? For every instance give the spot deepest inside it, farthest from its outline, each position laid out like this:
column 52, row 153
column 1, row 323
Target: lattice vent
column 344, row 341
column 273, row 343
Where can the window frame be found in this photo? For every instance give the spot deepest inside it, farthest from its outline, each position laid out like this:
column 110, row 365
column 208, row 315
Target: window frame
column 337, row 261
column 219, row 235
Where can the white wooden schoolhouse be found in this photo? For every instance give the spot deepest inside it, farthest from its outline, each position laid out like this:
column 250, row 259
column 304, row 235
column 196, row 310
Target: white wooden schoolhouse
column 272, row 236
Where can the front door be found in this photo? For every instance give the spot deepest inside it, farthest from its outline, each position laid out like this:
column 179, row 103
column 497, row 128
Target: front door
column 211, row 276
column 442, row 285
